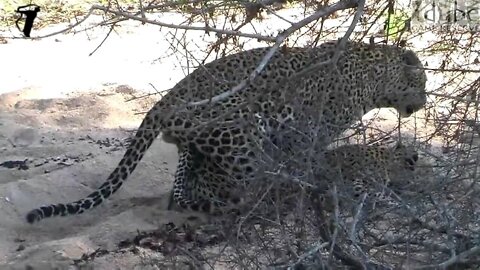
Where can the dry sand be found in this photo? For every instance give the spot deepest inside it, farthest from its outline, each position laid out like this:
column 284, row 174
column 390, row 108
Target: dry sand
column 51, row 152
column 64, row 125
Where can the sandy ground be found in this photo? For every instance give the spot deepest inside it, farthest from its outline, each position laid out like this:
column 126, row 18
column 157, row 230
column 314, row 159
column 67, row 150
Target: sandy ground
column 64, row 125
column 50, row 152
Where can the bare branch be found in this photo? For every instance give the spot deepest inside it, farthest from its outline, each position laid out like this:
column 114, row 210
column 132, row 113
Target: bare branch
column 316, row 248
column 183, row 27
column 356, row 218
column 112, row 27
column 454, row 260
column 342, row 43
column 279, row 40
column 68, row 28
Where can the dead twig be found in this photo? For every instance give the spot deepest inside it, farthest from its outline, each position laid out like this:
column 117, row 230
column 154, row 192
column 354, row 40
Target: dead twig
column 454, row 260
column 278, row 41
column 183, row 27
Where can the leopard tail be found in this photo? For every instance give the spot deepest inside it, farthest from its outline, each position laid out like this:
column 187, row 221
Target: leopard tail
column 143, row 139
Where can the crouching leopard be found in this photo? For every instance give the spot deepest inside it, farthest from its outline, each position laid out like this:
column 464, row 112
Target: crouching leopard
column 355, row 169
column 288, row 94
column 372, row 170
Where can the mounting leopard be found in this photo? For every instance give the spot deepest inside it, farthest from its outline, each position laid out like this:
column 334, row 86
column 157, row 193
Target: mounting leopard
column 288, row 96
column 355, row 169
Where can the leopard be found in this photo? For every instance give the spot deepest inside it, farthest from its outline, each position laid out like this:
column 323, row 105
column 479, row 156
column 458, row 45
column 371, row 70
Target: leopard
column 230, row 110
column 375, row 170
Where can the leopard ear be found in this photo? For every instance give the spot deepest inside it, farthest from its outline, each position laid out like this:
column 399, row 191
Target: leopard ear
column 399, row 146
column 410, row 58
column 412, row 61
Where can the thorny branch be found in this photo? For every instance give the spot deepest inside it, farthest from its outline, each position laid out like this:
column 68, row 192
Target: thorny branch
column 454, row 260
column 141, row 16
column 343, row 40
column 279, row 39
column 326, row 11
column 183, row 27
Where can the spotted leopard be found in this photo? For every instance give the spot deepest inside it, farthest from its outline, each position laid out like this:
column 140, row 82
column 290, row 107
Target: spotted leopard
column 372, row 170
column 355, row 169
column 298, row 105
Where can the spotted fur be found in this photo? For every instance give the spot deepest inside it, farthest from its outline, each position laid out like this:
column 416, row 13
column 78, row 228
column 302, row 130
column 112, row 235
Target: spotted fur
column 318, row 103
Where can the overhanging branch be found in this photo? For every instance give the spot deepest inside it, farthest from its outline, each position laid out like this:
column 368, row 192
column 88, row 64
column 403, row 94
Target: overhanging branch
column 326, row 11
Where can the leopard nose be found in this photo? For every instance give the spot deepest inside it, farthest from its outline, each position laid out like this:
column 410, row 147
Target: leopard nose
column 410, row 161
column 409, row 109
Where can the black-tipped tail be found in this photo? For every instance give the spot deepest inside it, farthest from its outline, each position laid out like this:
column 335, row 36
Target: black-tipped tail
column 146, row 133
column 53, row 210
column 34, row 216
